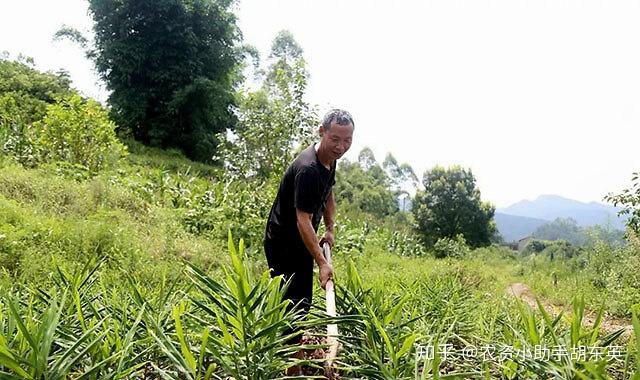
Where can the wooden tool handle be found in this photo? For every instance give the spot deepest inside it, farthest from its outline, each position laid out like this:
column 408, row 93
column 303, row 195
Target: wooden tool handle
column 332, row 328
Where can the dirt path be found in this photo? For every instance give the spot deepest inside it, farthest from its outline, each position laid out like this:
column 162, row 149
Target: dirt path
column 607, row 325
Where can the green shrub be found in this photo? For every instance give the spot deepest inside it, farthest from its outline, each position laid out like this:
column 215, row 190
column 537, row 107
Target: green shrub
column 30, row 89
column 404, row 243
column 16, row 134
column 614, row 270
column 446, row 247
column 534, row 246
column 79, row 132
column 241, row 207
column 560, row 249
column 24, row 95
column 353, row 234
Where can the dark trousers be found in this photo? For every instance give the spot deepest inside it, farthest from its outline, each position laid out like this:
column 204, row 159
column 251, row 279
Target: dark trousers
column 295, row 265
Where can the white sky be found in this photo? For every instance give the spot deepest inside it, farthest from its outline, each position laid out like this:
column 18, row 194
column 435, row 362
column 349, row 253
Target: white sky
column 536, row 97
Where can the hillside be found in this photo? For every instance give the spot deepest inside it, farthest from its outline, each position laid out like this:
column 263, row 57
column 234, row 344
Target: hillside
column 550, row 207
column 513, row 227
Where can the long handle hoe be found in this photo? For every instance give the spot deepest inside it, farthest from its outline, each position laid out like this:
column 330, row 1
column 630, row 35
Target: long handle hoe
column 332, row 328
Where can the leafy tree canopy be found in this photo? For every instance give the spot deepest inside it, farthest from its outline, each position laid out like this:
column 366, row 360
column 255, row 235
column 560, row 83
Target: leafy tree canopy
column 28, row 90
column 629, row 200
column 365, row 186
column 171, row 66
column 367, row 159
column 450, row 205
column 561, row 229
column 274, row 121
column 403, row 180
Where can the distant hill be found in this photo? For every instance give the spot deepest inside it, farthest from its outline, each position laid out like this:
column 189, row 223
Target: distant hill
column 514, row 227
column 522, row 218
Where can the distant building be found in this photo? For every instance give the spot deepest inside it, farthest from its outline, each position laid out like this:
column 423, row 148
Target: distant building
column 518, row 245
column 523, row 242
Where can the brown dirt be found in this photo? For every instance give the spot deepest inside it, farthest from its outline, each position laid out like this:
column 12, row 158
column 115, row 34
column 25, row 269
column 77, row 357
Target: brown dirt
column 520, row 290
column 607, row 325
column 316, row 355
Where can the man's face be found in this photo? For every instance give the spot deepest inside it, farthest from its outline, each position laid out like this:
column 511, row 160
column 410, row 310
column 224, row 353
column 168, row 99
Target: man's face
column 337, row 140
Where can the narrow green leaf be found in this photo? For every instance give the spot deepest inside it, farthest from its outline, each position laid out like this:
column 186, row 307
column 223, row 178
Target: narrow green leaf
column 177, row 311
column 407, row 345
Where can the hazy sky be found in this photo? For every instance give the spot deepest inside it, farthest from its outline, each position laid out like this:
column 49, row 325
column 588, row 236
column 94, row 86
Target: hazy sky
column 536, row 97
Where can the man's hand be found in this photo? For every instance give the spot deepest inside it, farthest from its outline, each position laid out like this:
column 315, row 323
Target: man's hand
column 328, row 237
column 313, row 245
column 326, row 273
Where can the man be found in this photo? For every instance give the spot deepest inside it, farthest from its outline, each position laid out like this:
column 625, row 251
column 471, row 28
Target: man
column 304, row 197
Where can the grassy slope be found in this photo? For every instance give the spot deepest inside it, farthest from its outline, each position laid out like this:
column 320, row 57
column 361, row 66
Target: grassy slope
column 48, row 218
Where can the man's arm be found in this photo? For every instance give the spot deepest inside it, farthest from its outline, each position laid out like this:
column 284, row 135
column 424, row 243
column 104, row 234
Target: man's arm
column 313, row 246
column 328, row 217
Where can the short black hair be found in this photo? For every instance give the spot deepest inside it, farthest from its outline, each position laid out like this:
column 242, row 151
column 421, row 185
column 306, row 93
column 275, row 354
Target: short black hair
column 338, row 116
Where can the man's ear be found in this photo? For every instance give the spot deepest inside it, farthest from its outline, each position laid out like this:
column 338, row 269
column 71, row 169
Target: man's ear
column 320, row 131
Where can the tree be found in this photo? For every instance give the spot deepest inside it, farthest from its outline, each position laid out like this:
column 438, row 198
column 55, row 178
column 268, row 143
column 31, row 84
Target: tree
column 367, row 190
column 604, row 234
column 30, row 89
column 171, row 66
column 450, row 205
column 390, row 165
column 285, row 52
column 402, row 178
column 25, row 94
column 629, row 199
column 408, row 176
column 79, row 132
column 274, row 121
column 367, row 159
column 561, row 229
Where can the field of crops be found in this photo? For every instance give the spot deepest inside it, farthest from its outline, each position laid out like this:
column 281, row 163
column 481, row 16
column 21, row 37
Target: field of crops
column 132, row 273
column 131, row 226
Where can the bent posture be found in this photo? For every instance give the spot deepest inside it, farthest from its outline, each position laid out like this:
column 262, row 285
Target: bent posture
column 304, row 198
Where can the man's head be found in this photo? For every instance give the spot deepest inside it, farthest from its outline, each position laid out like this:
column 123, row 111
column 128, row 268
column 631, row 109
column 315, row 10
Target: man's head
column 336, row 133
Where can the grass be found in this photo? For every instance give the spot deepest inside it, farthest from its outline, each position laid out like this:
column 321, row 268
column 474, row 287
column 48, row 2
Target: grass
column 615, row 284
column 47, row 218
column 130, row 273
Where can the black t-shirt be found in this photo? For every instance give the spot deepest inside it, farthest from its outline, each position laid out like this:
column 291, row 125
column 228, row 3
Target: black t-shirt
column 306, row 185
